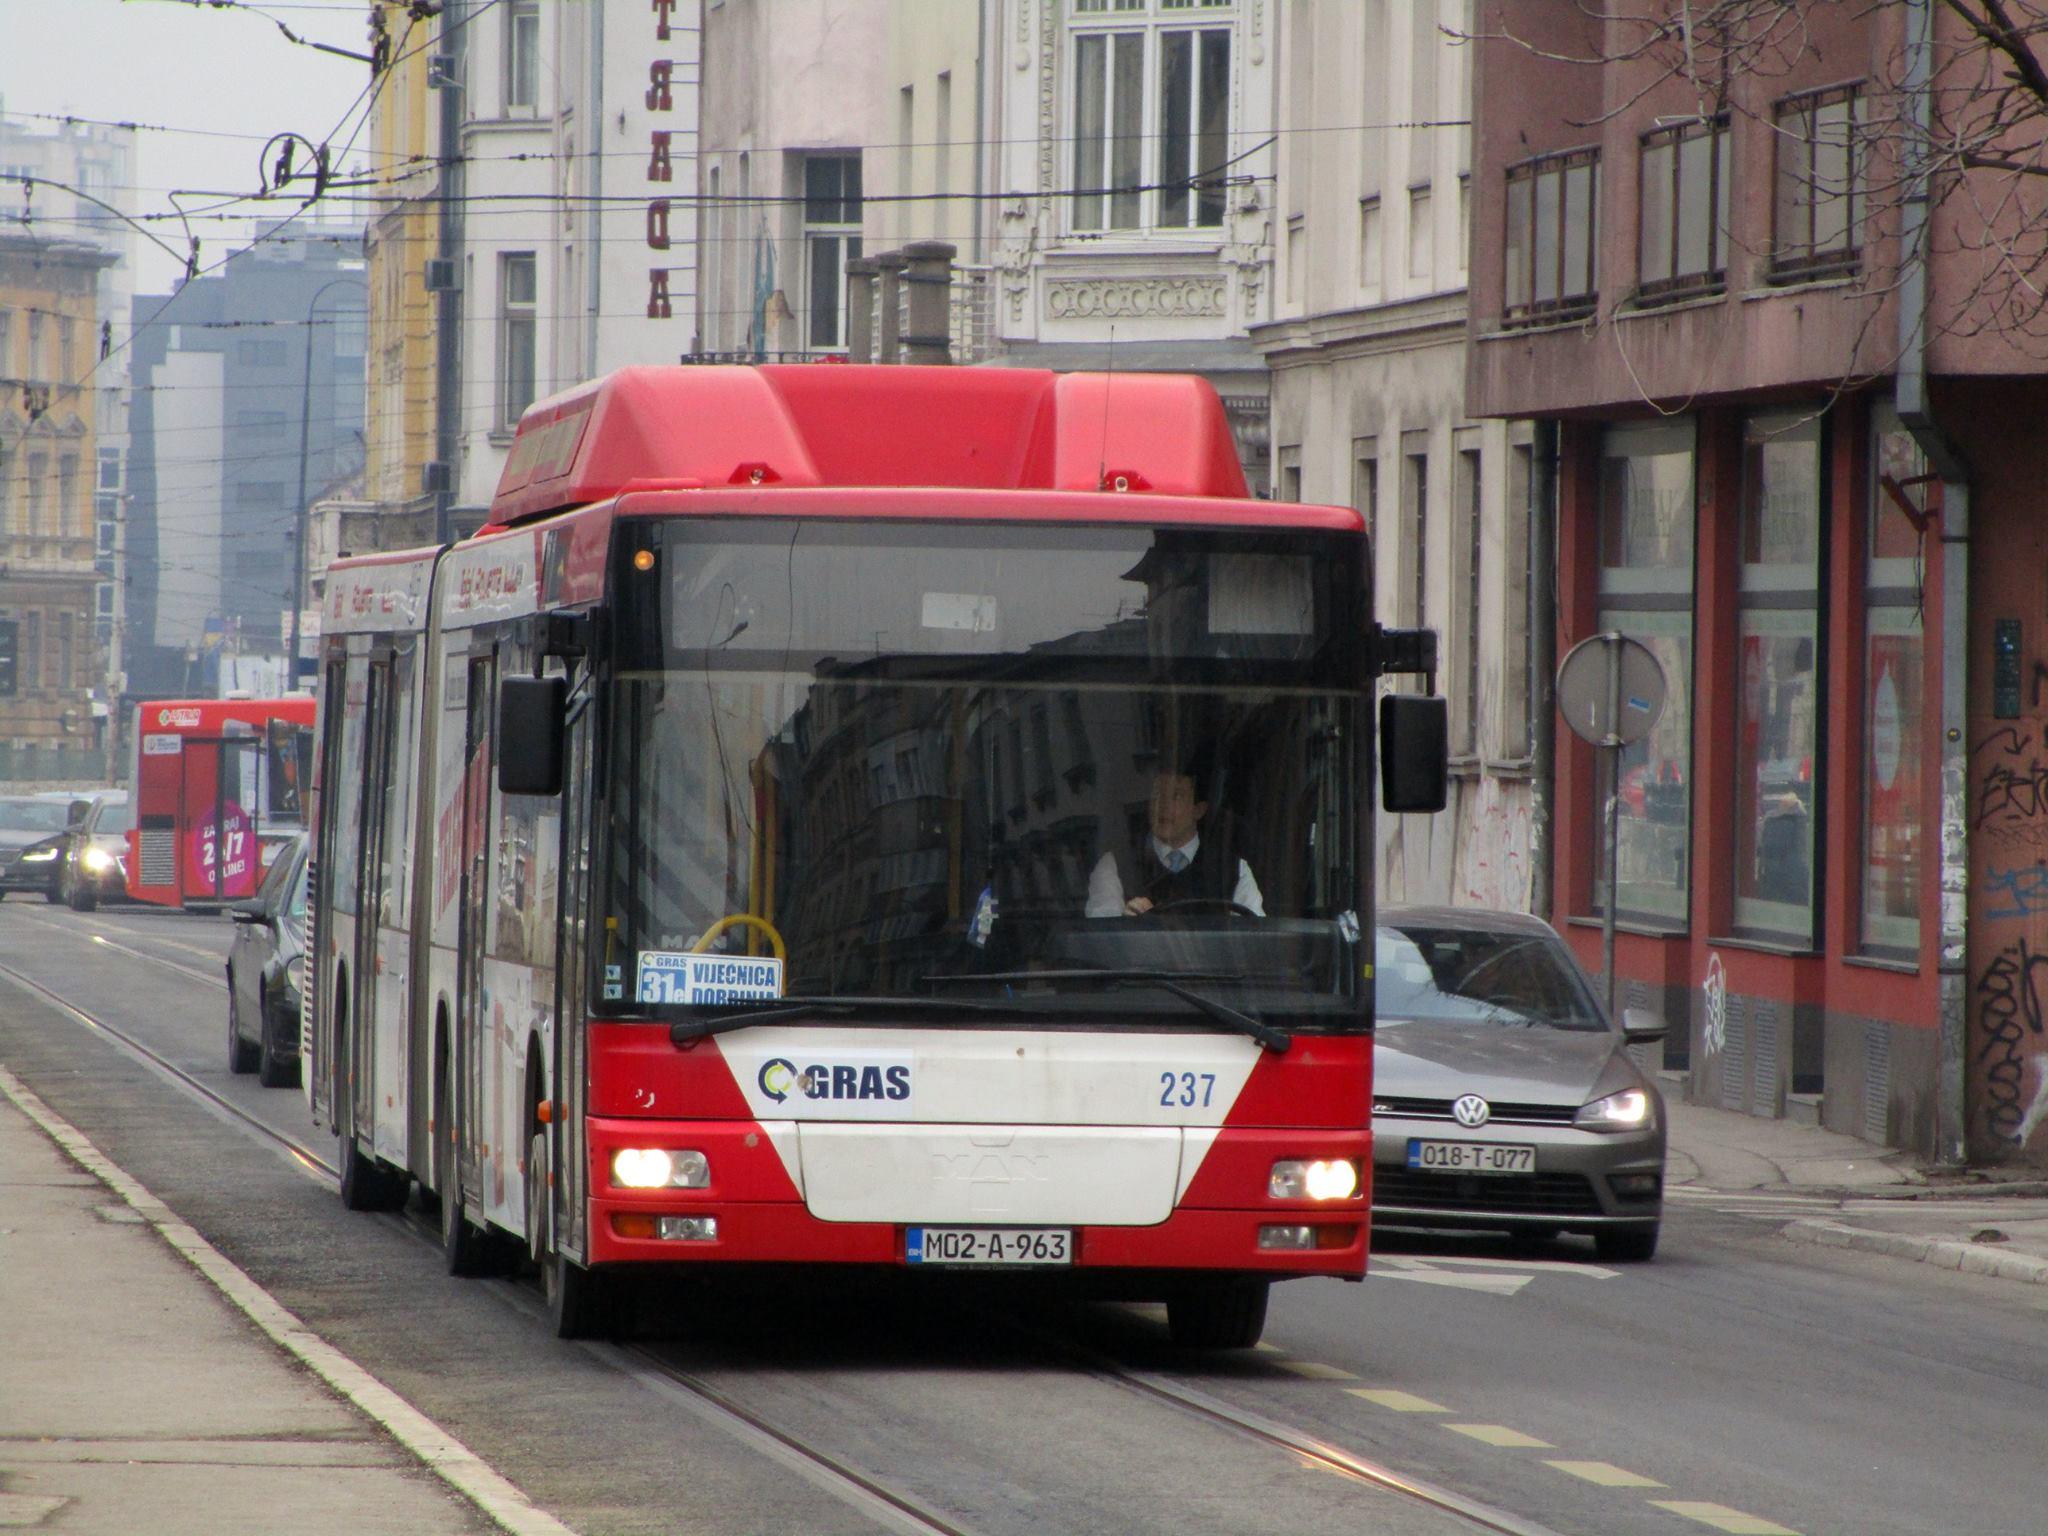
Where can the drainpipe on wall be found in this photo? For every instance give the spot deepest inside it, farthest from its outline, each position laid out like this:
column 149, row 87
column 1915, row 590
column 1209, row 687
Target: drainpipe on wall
column 1542, row 579
column 1916, row 411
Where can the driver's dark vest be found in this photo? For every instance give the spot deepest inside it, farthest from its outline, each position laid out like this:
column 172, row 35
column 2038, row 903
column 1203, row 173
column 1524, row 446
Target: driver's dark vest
column 1210, row 876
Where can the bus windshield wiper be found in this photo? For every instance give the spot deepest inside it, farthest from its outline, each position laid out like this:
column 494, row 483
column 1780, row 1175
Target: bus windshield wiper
column 783, row 1010
column 1270, row 1036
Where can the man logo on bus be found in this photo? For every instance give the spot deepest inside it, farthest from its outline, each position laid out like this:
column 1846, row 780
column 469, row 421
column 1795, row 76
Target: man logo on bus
column 779, row 1076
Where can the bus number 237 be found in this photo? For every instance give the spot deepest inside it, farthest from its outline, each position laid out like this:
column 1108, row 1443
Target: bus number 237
column 1186, row 1089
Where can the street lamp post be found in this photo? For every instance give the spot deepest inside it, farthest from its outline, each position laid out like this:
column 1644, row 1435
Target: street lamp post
column 298, row 595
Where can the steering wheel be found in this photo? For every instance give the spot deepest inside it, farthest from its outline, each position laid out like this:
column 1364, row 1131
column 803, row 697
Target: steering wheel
column 741, row 920
column 1203, row 904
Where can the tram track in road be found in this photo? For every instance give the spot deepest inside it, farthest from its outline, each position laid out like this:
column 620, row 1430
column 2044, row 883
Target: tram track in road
column 889, row 1504
column 218, row 982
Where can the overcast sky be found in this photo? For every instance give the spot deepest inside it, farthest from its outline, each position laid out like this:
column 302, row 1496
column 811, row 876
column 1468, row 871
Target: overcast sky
column 224, row 80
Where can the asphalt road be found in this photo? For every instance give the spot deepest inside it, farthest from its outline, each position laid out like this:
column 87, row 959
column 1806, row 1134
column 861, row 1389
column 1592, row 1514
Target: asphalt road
column 1738, row 1383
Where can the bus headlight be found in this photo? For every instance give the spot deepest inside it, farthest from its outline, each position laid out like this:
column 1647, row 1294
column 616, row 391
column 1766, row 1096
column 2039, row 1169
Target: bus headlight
column 1334, row 1178
column 1624, row 1111
column 654, row 1168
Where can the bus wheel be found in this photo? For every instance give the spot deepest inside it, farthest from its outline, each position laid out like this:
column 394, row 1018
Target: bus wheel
column 1218, row 1314
column 366, row 1184
column 466, row 1247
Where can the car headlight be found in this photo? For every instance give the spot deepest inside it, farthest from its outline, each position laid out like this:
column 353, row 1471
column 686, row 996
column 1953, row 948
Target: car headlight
column 1625, row 1111
column 98, row 860
column 654, row 1168
column 1334, row 1178
column 39, row 856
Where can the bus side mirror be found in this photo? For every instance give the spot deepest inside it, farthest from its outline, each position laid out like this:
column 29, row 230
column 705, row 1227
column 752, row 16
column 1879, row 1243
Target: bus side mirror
column 532, row 715
column 1415, row 761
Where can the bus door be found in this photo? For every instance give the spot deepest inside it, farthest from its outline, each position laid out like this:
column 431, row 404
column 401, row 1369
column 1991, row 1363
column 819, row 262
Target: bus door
column 376, row 775
column 387, row 912
column 467, row 1067
column 338, row 867
column 568, row 1073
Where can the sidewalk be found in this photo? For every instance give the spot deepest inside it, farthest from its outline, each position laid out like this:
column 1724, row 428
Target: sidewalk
column 135, row 1396
column 1990, row 1222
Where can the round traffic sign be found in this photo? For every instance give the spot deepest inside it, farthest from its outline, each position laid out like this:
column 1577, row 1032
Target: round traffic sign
column 1605, row 708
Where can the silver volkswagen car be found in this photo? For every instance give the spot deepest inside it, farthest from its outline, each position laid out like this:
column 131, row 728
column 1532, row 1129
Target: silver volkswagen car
column 1503, row 1098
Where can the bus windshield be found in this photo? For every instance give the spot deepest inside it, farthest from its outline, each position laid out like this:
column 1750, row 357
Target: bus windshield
column 1013, row 766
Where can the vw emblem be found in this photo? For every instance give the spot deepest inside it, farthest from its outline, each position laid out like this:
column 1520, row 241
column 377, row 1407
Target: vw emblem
column 1471, row 1111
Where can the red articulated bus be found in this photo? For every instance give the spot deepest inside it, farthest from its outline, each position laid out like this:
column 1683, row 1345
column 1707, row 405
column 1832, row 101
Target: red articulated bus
column 218, row 784
column 906, row 817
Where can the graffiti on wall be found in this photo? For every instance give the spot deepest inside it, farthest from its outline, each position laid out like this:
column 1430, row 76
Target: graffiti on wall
column 1493, row 844
column 2009, row 942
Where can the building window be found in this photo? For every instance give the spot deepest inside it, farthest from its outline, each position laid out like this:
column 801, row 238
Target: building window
column 1290, row 473
column 1421, row 234
column 517, row 289
column 1894, row 733
column 1471, row 565
column 1365, row 479
column 6, row 343
column 832, row 213
column 110, row 469
column 67, row 348
column 1778, row 675
column 67, row 492
column 1646, row 592
column 35, row 470
column 1819, row 183
column 522, row 56
column 35, row 347
column 1415, row 521
column 1134, row 64
column 64, row 651
column 1369, row 258
column 1684, row 237
column 1551, row 246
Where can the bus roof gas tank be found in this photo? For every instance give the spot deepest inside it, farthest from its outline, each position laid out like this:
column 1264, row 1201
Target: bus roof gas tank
column 790, row 425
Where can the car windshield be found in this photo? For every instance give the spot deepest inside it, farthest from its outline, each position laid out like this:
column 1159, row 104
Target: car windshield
column 1009, row 764
column 34, row 815
column 1436, row 973
column 113, row 815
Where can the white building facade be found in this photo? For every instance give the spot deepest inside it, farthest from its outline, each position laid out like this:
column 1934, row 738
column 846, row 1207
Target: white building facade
column 1133, row 156
column 577, row 206
column 1366, row 344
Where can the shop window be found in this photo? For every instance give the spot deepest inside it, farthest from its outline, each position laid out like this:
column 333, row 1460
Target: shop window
column 1819, row 213
column 1894, row 738
column 1683, row 247
column 1551, row 244
column 1778, row 676
column 1646, row 592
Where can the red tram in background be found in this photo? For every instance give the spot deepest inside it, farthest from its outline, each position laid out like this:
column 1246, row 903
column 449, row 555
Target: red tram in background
column 218, row 785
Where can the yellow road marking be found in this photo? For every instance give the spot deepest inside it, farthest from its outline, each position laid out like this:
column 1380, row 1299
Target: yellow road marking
column 1501, row 1435
column 1315, row 1370
column 1400, row 1402
column 1606, row 1474
column 1722, row 1518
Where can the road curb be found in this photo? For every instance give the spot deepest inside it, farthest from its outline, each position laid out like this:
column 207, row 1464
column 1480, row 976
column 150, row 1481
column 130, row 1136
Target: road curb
column 1969, row 1258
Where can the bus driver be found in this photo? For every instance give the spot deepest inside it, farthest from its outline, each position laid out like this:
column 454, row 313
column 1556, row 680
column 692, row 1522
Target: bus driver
column 1173, row 863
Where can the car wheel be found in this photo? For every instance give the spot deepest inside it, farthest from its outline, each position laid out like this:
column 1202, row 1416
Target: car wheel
column 274, row 1069
column 242, row 1056
column 52, row 893
column 82, row 899
column 1218, row 1314
column 1629, row 1246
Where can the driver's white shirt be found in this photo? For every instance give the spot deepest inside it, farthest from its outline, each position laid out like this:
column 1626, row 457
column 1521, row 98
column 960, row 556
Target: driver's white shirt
column 1106, row 885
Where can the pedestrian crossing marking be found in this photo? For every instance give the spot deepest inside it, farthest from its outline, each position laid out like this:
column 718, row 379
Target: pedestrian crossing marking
column 1501, row 1435
column 1398, row 1401
column 1606, row 1474
column 1315, row 1370
column 1722, row 1518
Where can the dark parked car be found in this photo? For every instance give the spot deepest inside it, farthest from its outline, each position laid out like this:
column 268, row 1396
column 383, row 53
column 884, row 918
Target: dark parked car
column 31, row 836
column 266, row 972
column 94, row 864
column 1503, row 1097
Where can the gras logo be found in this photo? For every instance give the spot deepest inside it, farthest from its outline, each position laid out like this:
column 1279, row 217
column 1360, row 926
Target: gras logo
column 838, row 1082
